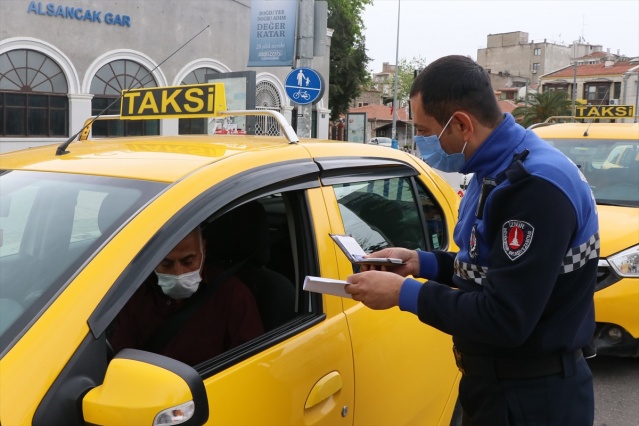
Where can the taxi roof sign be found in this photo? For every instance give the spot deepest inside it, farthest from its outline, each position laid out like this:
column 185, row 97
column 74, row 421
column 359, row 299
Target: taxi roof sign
column 187, row 101
column 605, row 111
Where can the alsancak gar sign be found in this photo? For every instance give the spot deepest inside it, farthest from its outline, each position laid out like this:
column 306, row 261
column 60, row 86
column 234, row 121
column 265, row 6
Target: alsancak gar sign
column 79, row 14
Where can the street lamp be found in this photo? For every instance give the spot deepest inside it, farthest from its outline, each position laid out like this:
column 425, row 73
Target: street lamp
column 394, row 128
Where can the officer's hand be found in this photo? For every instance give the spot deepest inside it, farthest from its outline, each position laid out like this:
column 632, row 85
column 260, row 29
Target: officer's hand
column 375, row 289
column 409, row 257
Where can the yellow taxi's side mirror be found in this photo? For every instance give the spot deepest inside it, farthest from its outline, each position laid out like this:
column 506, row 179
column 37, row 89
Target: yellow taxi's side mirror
column 145, row 388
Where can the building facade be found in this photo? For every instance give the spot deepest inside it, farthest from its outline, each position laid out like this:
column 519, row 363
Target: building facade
column 379, row 122
column 512, row 54
column 62, row 62
column 514, row 61
column 605, row 82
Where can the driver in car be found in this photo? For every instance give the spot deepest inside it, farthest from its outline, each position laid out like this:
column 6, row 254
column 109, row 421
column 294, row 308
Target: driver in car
column 188, row 310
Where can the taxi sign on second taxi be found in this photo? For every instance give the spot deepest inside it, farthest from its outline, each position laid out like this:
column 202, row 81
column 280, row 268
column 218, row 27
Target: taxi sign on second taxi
column 605, row 111
column 187, row 101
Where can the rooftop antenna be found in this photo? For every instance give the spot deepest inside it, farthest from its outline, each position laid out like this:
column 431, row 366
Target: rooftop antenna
column 593, row 120
column 62, row 149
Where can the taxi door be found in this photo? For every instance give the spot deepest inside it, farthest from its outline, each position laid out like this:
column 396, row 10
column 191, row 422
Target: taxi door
column 307, row 378
column 404, row 370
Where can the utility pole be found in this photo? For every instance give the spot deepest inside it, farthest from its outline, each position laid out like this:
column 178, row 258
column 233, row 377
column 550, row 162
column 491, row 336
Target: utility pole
column 637, row 98
column 574, row 92
column 305, row 55
column 394, row 128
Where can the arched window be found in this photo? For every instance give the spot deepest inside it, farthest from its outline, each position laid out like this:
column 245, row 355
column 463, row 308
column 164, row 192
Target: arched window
column 198, row 76
column 107, row 86
column 33, row 95
column 195, row 126
column 266, row 97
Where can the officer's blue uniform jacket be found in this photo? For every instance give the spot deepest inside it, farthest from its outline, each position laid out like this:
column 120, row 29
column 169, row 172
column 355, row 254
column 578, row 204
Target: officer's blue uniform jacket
column 527, row 260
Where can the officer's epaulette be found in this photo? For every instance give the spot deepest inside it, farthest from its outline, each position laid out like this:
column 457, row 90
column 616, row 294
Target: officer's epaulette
column 516, row 171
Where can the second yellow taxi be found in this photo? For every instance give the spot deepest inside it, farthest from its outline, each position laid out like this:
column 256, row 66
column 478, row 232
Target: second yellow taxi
column 608, row 156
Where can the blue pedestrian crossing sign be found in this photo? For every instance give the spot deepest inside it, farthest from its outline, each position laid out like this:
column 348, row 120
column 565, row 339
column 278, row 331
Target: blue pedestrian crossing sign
column 304, row 86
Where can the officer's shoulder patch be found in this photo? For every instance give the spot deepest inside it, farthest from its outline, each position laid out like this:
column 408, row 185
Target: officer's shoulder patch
column 516, row 237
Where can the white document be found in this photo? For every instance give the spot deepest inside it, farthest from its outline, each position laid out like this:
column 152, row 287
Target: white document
column 326, row 286
column 356, row 254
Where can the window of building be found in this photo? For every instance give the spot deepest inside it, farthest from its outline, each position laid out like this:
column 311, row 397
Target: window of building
column 596, row 92
column 267, row 98
column 107, row 86
column 616, row 93
column 555, row 88
column 536, row 66
column 33, row 95
column 537, row 51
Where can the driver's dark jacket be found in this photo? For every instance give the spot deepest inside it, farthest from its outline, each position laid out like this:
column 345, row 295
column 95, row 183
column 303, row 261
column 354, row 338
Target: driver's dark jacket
column 227, row 319
column 523, row 280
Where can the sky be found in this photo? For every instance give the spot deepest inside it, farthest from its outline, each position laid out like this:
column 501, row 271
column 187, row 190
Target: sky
column 430, row 29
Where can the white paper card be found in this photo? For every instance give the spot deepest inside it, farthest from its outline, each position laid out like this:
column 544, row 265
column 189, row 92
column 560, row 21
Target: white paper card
column 355, row 253
column 326, row 286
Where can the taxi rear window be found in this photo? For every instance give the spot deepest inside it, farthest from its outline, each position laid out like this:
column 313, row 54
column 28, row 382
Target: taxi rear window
column 50, row 225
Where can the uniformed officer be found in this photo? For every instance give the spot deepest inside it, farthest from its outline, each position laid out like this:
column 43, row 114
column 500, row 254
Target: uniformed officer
column 518, row 296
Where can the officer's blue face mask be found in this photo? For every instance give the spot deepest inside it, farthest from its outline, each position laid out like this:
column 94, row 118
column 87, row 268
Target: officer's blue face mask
column 430, row 149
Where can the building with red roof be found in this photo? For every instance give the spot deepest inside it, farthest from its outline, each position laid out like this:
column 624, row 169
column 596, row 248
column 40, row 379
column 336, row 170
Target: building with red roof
column 605, row 82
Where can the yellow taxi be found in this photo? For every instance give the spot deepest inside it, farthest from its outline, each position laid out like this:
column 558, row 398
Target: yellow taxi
column 608, row 156
column 81, row 231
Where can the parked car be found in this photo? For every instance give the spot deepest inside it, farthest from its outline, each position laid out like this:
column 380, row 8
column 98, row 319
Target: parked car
column 458, row 181
column 381, row 141
column 82, row 230
column 608, row 156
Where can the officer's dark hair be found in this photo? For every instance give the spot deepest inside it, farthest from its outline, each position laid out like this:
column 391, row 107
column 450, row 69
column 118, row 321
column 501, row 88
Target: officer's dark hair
column 455, row 83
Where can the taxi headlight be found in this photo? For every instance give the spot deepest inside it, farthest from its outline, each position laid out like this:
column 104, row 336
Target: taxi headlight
column 175, row 415
column 626, row 263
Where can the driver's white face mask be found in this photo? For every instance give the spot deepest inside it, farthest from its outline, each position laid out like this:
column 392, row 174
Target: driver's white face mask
column 181, row 286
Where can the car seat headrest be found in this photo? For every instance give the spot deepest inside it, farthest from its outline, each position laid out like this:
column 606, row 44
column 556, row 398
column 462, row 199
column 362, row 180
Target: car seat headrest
column 240, row 234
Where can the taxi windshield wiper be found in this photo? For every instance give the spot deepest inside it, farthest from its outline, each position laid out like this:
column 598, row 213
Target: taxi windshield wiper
column 62, row 148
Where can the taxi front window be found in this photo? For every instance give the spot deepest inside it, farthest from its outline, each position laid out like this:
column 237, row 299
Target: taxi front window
column 610, row 166
column 50, row 225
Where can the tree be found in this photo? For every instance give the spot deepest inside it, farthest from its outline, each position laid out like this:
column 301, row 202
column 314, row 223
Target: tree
column 405, row 77
column 348, row 60
column 543, row 105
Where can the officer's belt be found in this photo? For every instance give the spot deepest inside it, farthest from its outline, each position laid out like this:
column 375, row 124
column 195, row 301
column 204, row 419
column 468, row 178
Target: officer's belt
column 516, row 368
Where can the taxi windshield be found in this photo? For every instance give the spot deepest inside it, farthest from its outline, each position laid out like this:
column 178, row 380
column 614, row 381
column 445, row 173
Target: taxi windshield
column 50, row 225
column 611, row 167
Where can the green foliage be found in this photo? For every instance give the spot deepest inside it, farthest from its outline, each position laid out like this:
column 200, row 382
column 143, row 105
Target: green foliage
column 405, row 77
column 540, row 106
column 348, row 61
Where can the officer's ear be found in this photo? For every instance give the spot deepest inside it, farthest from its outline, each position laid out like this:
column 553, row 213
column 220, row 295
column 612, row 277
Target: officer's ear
column 464, row 124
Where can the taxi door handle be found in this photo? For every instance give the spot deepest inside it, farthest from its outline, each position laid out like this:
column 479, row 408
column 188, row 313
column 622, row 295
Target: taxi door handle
column 324, row 388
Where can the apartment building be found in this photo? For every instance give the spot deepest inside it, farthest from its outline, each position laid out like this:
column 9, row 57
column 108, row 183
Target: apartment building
column 604, row 82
